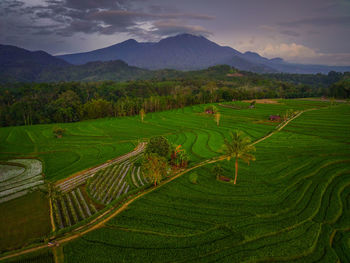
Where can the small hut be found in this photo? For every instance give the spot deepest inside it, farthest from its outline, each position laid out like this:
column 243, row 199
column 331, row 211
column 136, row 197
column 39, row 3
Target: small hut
column 211, row 109
column 275, row 118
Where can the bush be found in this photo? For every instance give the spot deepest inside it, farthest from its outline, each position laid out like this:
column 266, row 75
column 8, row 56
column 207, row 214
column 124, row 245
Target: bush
column 179, row 156
column 158, row 145
column 218, row 170
column 58, row 132
column 193, row 178
column 211, row 109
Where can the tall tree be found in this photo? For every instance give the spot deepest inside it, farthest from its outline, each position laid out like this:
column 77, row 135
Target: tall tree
column 142, row 114
column 239, row 147
column 217, row 118
column 155, row 167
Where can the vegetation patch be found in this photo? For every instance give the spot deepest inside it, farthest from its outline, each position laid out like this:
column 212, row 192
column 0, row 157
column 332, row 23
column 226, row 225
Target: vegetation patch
column 16, row 181
column 24, row 220
column 283, row 208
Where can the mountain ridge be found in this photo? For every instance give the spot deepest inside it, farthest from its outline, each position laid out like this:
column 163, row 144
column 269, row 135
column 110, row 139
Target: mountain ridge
column 190, row 52
column 185, row 52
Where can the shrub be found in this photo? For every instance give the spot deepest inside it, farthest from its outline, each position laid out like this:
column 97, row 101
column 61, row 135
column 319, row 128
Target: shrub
column 193, row 178
column 218, row 170
column 158, row 145
column 58, row 132
column 210, row 109
column 179, row 156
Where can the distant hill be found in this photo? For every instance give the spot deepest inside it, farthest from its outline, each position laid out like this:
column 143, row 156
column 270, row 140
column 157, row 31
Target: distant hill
column 20, row 65
column 17, row 64
column 142, row 61
column 189, row 52
column 115, row 70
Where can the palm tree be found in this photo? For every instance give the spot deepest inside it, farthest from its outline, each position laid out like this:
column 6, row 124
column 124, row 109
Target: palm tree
column 239, row 147
column 155, row 167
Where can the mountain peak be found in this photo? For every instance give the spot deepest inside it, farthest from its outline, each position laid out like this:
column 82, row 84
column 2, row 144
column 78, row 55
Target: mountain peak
column 130, row 41
column 277, row 60
column 252, row 54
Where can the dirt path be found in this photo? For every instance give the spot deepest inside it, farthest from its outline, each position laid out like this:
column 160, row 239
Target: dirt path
column 281, row 127
column 109, row 214
column 79, row 178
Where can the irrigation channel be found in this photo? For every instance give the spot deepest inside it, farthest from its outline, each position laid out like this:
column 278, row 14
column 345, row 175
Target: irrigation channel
column 73, row 206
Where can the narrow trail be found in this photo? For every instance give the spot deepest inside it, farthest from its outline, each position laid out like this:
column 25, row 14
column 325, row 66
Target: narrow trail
column 112, row 212
column 79, row 178
column 281, row 127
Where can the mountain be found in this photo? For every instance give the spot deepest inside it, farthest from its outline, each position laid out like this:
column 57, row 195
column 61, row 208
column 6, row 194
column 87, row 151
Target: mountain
column 21, row 65
column 132, row 60
column 17, row 64
column 181, row 52
column 189, row 52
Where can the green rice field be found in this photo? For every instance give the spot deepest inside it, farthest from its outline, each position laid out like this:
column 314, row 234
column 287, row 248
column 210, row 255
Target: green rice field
column 90, row 143
column 291, row 205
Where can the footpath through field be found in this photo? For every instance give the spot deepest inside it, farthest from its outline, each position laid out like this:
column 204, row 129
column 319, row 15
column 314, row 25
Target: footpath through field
column 77, row 179
column 112, row 212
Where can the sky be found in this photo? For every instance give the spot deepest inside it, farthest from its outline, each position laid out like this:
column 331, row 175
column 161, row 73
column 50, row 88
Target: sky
column 302, row 31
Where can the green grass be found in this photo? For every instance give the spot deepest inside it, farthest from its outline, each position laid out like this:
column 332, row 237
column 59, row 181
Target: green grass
column 24, row 220
column 90, row 143
column 45, row 256
column 286, row 206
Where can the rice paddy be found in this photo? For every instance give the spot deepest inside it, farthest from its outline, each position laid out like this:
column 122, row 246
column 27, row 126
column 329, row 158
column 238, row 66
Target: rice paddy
column 291, row 205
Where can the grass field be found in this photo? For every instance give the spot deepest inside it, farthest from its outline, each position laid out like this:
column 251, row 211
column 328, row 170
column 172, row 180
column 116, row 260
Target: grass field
column 24, row 220
column 292, row 204
column 90, row 143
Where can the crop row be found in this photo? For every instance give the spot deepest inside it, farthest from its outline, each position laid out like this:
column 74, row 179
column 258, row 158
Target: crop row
column 72, row 207
column 291, row 205
column 110, row 183
column 80, row 179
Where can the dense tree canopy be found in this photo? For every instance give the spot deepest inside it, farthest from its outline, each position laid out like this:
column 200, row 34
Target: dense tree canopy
column 158, row 145
column 35, row 103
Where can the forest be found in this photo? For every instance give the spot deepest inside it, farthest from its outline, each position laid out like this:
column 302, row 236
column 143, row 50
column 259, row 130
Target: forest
column 41, row 103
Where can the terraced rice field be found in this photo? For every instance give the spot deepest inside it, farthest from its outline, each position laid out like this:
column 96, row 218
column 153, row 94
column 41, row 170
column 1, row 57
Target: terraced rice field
column 291, row 205
column 102, row 185
column 18, row 177
column 90, row 143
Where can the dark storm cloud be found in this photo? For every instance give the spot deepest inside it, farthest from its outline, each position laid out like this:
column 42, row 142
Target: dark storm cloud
column 126, row 18
column 92, row 4
column 277, row 27
column 103, row 17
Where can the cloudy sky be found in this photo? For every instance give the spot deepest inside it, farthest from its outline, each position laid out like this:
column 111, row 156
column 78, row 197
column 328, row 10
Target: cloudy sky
column 304, row 31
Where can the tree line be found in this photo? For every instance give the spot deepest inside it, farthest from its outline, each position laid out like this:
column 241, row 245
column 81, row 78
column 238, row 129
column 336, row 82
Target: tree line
column 39, row 103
